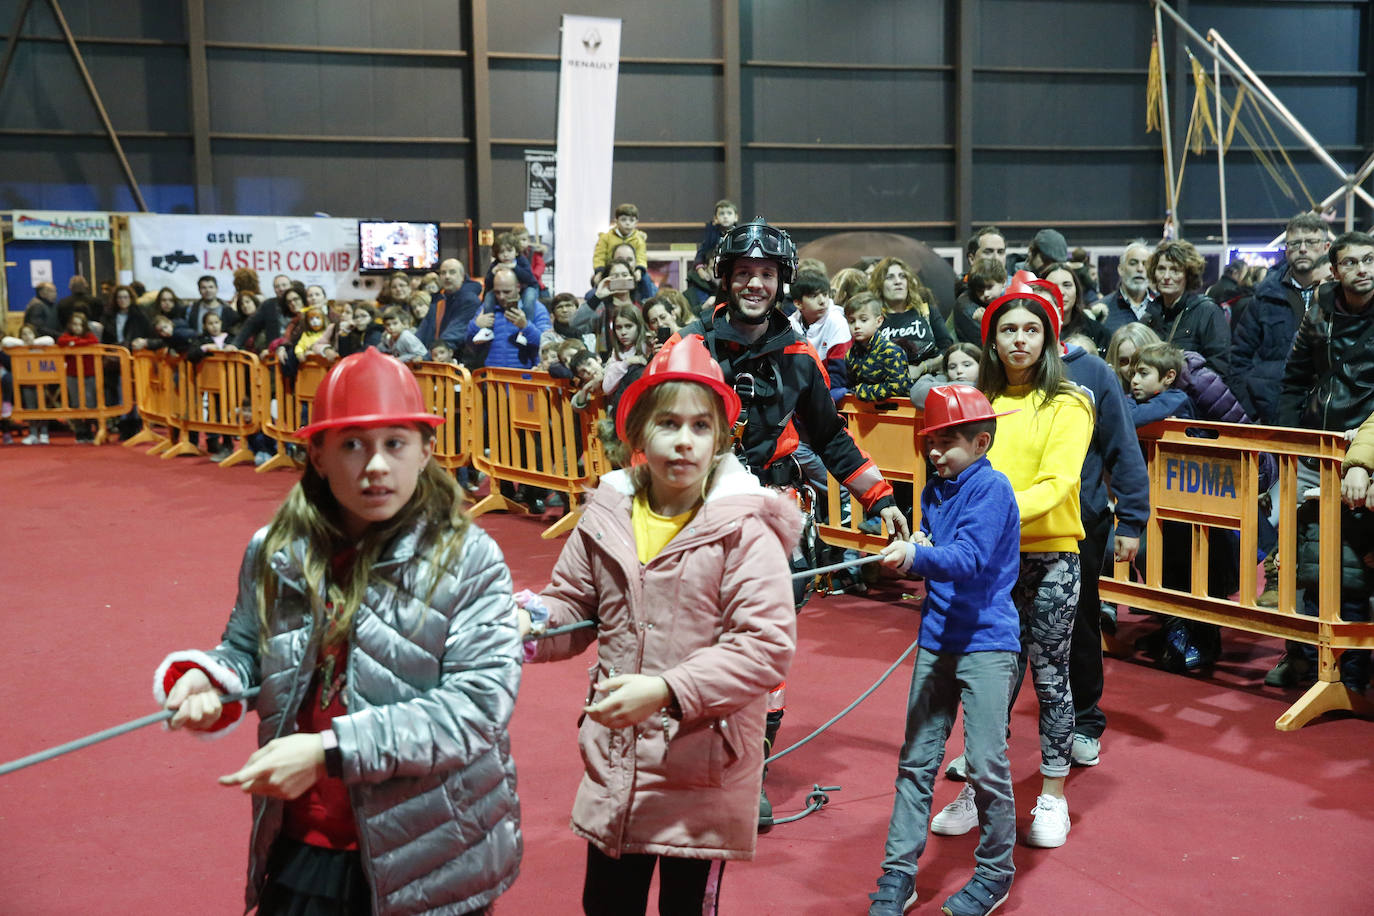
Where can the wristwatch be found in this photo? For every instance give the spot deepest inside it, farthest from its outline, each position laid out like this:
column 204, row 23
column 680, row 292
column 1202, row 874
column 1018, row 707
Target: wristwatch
column 333, row 760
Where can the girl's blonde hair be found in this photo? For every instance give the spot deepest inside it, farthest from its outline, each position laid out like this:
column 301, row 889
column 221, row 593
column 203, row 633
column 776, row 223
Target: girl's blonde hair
column 1136, row 333
column 646, row 410
column 312, row 515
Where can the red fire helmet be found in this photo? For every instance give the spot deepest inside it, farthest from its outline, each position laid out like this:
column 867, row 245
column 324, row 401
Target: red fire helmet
column 952, row 405
column 1026, row 285
column 685, row 360
column 368, row 389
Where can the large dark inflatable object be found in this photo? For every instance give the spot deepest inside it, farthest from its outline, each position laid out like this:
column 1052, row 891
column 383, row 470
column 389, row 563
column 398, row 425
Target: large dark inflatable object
column 846, row 249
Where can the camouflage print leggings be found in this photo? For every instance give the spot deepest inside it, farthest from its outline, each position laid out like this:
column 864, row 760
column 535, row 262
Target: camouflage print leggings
column 1046, row 595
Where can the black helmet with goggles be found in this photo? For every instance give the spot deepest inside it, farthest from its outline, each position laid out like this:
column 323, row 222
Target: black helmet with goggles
column 757, row 239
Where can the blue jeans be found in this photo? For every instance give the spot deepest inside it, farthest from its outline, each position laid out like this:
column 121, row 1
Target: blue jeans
column 981, row 682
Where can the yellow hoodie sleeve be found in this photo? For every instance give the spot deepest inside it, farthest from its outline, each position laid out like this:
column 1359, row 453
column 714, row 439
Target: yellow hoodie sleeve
column 1056, row 479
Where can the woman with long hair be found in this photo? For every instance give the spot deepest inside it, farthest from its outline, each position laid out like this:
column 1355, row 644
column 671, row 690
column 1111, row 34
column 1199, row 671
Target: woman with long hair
column 909, row 320
column 1077, row 320
column 1040, row 446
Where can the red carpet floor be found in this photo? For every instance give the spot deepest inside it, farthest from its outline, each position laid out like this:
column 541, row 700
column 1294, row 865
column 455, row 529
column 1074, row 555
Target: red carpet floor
column 111, row 559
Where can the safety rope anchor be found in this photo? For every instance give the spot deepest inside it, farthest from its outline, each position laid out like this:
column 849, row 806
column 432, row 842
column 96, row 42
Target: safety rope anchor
column 815, row 801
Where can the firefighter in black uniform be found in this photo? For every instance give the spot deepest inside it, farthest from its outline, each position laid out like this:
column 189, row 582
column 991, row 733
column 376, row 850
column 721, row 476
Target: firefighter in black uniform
column 779, row 378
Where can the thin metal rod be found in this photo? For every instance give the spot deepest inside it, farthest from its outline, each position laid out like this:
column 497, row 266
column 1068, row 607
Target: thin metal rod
column 108, row 733
column 99, row 105
column 1358, row 178
column 13, row 41
column 1164, row 119
column 836, row 567
column 1221, row 154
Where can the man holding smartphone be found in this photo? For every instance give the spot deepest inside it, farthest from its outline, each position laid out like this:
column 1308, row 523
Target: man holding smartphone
column 512, row 332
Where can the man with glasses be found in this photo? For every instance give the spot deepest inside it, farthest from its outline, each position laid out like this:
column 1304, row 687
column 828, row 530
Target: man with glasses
column 1328, row 383
column 1263, row 335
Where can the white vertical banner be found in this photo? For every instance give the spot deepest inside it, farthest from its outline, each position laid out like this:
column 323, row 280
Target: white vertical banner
column 586, row 144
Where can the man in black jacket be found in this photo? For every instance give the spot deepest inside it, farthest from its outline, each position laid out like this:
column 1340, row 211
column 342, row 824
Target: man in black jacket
column 1263, row 334
column 1328, row 383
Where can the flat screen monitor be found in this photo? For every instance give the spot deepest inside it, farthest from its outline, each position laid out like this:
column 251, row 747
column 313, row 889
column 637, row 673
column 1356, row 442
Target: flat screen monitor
column 388, row 245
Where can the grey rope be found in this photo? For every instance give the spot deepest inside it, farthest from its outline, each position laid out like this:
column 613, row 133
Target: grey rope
column 166, row 714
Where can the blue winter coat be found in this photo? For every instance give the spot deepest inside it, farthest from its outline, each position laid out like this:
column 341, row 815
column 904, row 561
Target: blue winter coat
column 1261, row 341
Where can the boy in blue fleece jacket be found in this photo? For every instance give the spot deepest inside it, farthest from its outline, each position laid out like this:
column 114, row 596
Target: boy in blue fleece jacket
column 968, row 550
column 1153, row 395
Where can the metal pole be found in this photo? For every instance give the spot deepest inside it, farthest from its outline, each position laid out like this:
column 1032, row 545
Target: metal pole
column 1221, row 155
column 99, row 106
column 1164, row 118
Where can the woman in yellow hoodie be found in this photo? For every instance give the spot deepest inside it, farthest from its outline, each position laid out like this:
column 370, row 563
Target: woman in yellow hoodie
column 1041, row 449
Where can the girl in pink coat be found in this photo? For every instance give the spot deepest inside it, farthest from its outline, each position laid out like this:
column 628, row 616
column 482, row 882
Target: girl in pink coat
column 682, row 560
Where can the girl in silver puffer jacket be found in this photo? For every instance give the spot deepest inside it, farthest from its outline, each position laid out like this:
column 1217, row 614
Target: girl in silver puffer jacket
column 378, row 623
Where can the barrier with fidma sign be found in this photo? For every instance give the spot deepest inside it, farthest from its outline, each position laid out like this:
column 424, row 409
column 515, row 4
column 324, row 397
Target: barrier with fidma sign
column 1210, row 484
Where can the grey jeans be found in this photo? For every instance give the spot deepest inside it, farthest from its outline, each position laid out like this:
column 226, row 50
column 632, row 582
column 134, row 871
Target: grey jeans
column 943, row 681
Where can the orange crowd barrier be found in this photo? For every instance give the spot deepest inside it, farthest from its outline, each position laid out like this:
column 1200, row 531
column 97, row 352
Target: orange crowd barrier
column 529, row 434
column 154, row 390
column 222, row 394
column 287, row 406
column 1213, row 484
column 93, row 382
column 885, row 430
column 448, row 393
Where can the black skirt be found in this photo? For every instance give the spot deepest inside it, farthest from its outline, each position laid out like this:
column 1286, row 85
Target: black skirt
column 305, row 880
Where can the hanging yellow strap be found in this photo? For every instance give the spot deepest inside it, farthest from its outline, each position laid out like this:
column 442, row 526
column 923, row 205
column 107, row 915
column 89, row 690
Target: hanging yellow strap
column 1154, row 90
column 1234, row 110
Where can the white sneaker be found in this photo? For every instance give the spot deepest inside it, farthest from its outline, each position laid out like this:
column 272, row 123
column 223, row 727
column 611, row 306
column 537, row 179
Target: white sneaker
column 958, row 817
column 42, row 438
column 957, row 769
column 1050, row 826
column 1087, row 752
column 30, row 439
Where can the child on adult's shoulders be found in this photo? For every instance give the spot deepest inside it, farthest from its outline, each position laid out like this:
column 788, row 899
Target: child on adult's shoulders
column 621, row 231
column 877, row 368
column 968, row 550
column 1154, row 371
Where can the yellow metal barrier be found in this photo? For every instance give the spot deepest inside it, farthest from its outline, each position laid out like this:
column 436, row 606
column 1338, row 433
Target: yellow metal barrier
column 1214, row 484
column 448, row 393
column 223, row 394
column 886, row 431
column 68, row 383
column 291, row 399
column 153, row 395
column 530, row 434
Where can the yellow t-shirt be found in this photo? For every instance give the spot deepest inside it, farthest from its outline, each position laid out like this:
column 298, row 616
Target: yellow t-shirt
column 1041, row 450
column 653, row 532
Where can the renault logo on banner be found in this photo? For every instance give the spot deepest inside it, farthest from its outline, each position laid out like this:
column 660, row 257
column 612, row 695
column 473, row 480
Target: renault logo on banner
column 592, row 41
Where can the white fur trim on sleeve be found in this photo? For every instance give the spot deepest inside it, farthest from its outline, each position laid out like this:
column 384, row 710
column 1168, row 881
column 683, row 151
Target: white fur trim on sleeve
column 225, row 679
